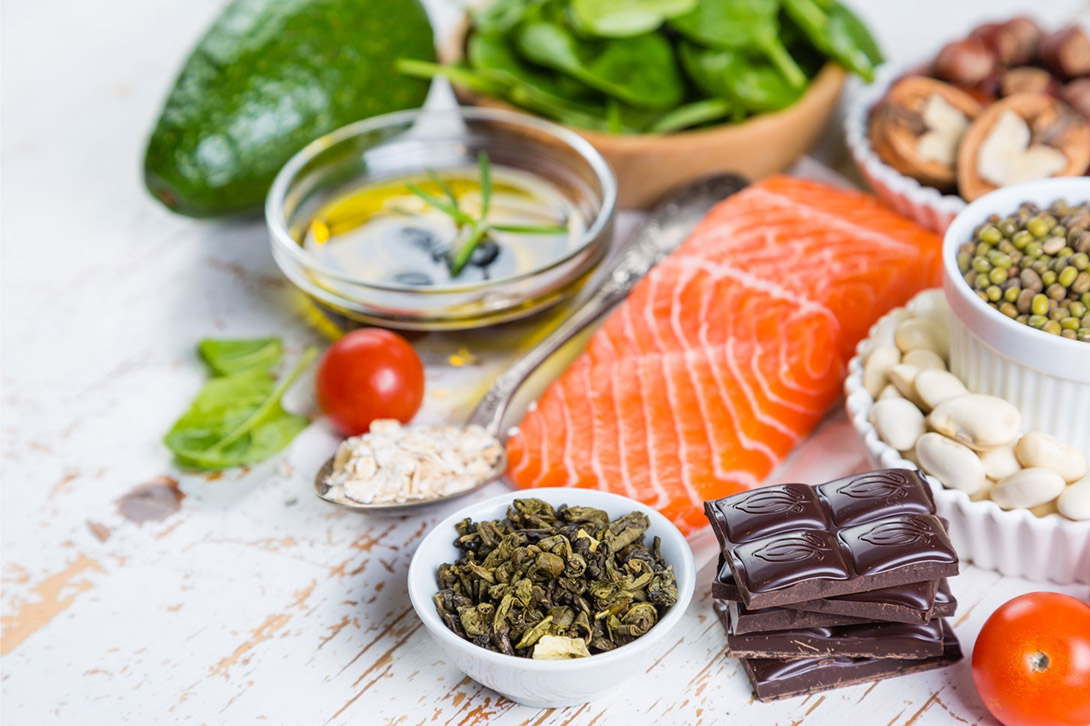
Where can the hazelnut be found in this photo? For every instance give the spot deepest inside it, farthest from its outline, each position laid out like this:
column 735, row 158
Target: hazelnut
column 1020, row 138
column 917, row 127
column 1067, row 52
column 1027, row 79
column 967, row 62
column 1077, row 95
column 1014, row 42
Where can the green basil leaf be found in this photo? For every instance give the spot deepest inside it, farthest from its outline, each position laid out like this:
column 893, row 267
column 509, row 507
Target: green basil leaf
column 231, row 356
column 622, row 18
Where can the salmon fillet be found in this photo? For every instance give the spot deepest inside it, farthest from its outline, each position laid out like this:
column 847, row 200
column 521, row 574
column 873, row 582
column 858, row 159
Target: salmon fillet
column 728, row 352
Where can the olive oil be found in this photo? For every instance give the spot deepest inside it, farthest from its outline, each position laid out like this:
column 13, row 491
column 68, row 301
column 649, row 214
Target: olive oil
column 382, row 233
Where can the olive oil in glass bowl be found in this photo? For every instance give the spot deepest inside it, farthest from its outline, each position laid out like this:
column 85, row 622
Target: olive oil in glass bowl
column 353, row 228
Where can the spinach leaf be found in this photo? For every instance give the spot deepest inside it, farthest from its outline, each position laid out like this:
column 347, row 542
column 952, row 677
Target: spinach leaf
column 237, row 419
column 640, row 70
column 231, row 356
column 691, row 114
column 837, row 33
column 752, row 83
column 741, row 25
column 622, row 18
column 493, row 57
column 456, row 73
column 502, row 15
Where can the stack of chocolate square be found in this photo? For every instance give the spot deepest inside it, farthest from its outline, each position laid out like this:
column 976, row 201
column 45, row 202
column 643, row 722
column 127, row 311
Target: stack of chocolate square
column 831, row 585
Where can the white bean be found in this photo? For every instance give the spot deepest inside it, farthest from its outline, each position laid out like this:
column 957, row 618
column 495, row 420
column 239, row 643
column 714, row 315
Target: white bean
column 925, row 360
column 877, row 365
column 921, row 333
column 889, row 391
column 898, row 422
column 1028, row 488
column 933, row 387
column 1000, row 462
column 932, row 305
column 904, row 377
column 885, row 330
column 1074, row 503
column 956, row 466
column 1039, row 449
column 979, row 421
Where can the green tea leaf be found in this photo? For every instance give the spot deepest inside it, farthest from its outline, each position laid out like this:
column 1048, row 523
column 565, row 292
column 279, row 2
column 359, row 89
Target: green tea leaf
column 237, row 419
column 622, row 18
column 232, row 356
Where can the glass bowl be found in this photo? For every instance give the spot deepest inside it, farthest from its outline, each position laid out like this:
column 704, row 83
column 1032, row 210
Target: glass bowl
column 409, row 142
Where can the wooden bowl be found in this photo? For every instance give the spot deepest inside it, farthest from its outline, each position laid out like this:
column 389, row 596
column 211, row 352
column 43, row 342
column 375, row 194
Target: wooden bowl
column 651, row 166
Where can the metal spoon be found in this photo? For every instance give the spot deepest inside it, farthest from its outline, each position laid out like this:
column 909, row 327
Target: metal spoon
column 660, row 234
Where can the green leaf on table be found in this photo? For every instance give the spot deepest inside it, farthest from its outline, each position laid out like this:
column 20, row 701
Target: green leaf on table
column 621, row 18
column 640, row 70
column 231, row 356
column 741, row 25
column 237, row 419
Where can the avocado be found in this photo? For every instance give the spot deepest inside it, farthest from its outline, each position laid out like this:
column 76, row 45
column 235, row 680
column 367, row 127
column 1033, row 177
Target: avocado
column 269, row 77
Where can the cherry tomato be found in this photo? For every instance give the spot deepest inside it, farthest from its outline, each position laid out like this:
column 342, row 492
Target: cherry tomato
column 1031, row 662
column 366, row 375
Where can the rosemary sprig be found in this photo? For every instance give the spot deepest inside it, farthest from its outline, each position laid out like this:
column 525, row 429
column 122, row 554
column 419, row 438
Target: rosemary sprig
column 479, row 227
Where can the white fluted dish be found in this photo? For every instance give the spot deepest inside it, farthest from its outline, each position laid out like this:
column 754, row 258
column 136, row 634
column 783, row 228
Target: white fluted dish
column 1013, row 542
column 541, row 683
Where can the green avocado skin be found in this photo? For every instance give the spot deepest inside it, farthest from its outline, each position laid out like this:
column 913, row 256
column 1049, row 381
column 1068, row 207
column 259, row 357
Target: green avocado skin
column 269, row 77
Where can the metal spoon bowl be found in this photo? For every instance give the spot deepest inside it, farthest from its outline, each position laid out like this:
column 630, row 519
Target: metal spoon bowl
column 396, row 509
column 666, row 227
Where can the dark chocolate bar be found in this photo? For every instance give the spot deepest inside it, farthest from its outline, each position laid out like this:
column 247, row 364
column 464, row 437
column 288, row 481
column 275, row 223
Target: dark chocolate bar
column 775, row 678
column 863, row 640
column 794, row 542
column 744, row 620
column 917, row 602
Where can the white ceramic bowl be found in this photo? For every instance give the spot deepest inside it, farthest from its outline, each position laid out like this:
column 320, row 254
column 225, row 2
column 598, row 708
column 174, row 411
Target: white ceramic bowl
column 926, row 206
column 548, row 684
column 1047, row 377
column 1014, row 542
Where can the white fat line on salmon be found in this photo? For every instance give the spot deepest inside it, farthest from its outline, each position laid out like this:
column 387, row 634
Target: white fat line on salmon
column 595, row 464
column 701, row 394
column 831, row 220
column 611, row 350
column 671, row 393
column 625, row 312
column 569, row 465
column 743, row 438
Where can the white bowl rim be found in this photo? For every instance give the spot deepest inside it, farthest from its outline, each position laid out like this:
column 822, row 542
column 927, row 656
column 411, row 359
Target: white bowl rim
column 684, row 572
column 1053, row 347
column 853, row 384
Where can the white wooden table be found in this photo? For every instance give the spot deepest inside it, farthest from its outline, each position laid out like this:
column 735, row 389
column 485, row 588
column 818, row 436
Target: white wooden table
column 257, row 603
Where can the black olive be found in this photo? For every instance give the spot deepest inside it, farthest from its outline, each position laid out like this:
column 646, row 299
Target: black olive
column 412, row 278
column 485, row 253
column 424, row 240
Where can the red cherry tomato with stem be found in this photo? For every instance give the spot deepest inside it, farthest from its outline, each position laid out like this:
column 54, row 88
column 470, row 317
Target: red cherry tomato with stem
column 369, row 374
column 1031, row 662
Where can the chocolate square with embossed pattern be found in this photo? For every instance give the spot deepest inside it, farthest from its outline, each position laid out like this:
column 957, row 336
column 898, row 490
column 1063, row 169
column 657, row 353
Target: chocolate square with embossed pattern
column 771, row 510
column 851, row 500
column 783, row 560
column 898, row 542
